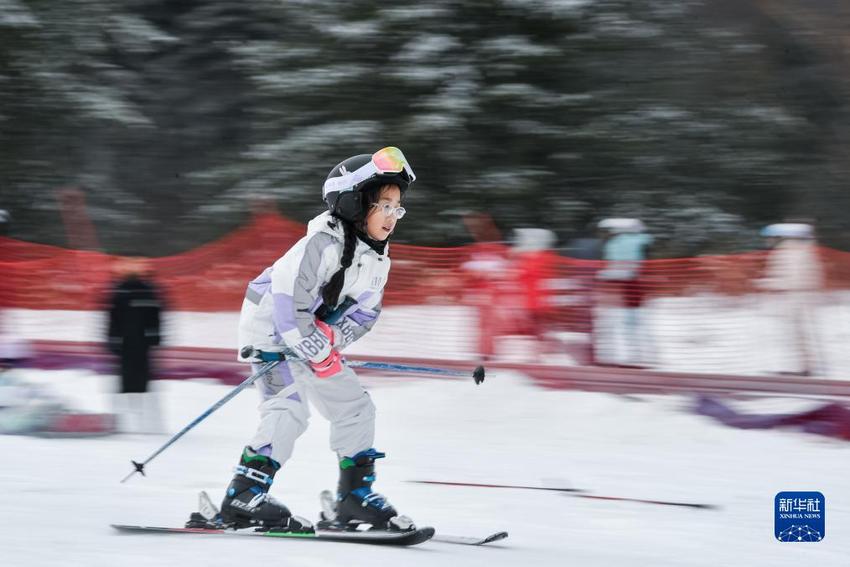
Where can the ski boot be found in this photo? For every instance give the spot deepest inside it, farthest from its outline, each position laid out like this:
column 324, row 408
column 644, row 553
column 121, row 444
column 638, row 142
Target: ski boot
column 247, row 502
column 355, row 503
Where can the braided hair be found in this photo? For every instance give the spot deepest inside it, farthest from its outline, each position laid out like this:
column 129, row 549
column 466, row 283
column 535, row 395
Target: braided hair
column 332, row 289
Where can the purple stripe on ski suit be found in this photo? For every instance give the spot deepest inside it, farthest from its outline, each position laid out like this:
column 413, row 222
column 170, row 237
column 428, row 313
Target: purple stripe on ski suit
column 259, row 287
column 281, row 378
column 288, row 380
column 265, row 450
column 359, row 315
column 284, row 312
column 362, row 317
column 262, row 282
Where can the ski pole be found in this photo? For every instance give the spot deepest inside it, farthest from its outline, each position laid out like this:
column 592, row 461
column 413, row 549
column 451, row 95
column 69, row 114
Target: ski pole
column 574, row 492
column 274, row 358
column 477, row 374
column 140, row 467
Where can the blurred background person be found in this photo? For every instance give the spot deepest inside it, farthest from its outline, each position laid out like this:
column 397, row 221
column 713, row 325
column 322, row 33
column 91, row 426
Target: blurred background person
column 486, row 265
column 793, row 278
column 586, row 248
column 534, row 268
column 588, row 244
column 24, row 407
column 621, row 337
column 134, row 329
column 30, row 405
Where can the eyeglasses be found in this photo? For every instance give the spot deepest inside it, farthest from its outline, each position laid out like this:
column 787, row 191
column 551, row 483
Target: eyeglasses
column 390, row 211
column 386, row 160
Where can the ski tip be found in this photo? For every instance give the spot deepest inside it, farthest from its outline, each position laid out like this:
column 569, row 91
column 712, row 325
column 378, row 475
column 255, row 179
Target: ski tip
column 422, row 535
column 498, row 536
column 468, row 540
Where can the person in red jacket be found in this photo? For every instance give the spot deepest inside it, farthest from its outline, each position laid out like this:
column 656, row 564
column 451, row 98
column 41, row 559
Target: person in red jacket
column 486, row 264
column 534, row 265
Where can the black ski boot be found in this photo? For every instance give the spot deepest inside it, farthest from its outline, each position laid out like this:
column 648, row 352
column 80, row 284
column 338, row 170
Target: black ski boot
column 355, row 501
column 247, row 502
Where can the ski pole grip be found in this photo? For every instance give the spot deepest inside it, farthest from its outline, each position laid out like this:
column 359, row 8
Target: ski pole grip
column 260, row 355
column 269, row 356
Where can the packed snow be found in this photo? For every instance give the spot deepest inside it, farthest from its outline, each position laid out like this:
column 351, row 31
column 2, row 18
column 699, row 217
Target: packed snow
column 60, row 495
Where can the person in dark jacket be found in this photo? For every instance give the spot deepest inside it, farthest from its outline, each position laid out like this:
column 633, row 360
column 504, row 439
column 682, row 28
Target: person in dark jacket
column 134, row 329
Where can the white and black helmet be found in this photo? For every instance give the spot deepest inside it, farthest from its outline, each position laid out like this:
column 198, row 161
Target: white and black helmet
column 344, row 186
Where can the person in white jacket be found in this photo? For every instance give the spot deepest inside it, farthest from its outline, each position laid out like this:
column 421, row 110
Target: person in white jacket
column 322, row 295
column 793, row 281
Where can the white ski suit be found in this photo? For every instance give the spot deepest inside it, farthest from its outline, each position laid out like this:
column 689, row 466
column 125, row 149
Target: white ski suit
column 278, row 311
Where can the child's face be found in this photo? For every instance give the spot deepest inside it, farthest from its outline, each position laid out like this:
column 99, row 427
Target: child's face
column 379, row 225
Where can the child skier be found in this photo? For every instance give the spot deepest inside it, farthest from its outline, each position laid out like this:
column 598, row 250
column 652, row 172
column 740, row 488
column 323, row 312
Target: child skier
column 321, row 296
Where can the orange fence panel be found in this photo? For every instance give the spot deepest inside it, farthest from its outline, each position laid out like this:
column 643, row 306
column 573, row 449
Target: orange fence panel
column 740, row 313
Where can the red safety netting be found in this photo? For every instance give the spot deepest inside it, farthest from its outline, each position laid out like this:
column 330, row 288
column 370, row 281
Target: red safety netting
column 712, row 313
column 213, row 276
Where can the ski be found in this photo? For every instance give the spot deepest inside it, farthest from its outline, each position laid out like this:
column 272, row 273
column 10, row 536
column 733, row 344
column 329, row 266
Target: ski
column 328, row 504
column 467, row 540
column 208, row 522
column 374, row 537
column 402, row 539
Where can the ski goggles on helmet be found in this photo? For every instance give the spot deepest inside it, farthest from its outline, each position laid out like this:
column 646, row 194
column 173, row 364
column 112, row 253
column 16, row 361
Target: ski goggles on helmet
column 385, row 161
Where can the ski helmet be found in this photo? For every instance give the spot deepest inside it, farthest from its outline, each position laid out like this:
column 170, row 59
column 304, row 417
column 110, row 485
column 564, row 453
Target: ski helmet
column 344, row 186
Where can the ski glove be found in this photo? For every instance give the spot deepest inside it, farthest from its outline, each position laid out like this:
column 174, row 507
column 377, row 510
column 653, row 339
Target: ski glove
column 332, row 365
column 343, row 334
